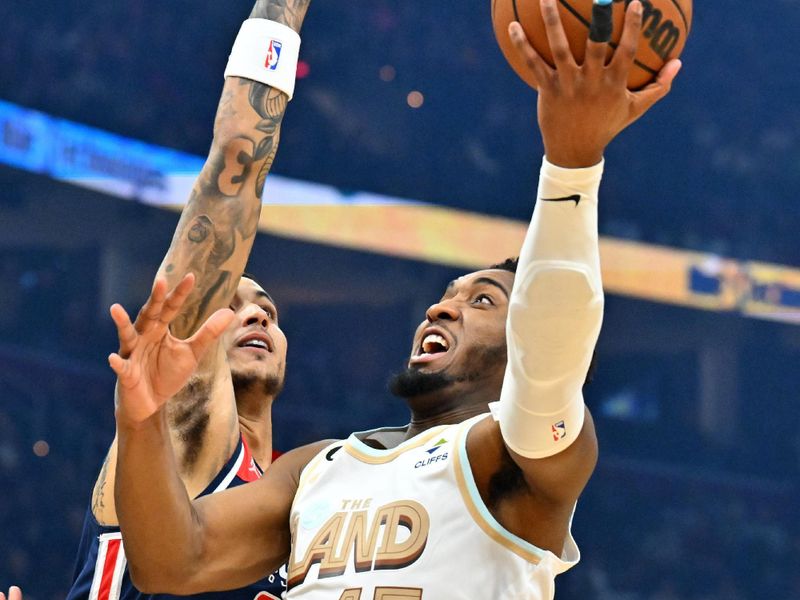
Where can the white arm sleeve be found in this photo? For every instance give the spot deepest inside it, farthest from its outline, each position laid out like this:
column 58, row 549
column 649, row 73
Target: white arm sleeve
column 554, row 316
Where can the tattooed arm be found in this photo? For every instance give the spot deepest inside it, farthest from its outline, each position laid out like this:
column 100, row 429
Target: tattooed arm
column 213, row 240
column 219, row 223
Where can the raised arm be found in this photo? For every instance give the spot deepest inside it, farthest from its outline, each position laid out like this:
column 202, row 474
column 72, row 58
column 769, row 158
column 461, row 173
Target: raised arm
column 556, row 305
column 219, row 223
column 212, row 241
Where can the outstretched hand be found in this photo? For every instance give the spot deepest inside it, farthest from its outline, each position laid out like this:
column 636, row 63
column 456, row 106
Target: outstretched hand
column 153, row 365
column 583, row 107
column 14, row 593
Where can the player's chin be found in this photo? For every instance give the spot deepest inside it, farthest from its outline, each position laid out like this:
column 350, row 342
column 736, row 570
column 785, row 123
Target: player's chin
column 431, row 363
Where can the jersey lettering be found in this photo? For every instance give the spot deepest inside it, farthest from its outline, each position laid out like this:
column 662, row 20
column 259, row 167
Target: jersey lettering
column 345, row 535
column 384, row 593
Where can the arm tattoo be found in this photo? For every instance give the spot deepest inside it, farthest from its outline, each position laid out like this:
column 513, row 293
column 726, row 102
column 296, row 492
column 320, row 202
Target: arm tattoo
column 219, row 223
column 199, row 230
column 270, row 104
column 100, row 487
column 288, row 12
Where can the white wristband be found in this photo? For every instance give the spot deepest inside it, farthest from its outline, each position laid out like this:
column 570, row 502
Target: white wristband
column 267, row 52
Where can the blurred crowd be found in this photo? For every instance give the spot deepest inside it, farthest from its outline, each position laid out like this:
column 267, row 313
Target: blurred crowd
column 668, row 536
column 711, row 169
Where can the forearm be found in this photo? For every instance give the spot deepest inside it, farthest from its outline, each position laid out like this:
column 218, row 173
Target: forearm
column 555, row 315
column 219, row 223
column 221, row 541
column 155, row 513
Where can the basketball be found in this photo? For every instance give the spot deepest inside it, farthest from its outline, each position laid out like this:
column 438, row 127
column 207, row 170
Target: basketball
column 665, row 27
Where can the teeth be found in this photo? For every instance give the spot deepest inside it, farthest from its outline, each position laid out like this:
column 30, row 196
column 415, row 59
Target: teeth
column 434, row 343
column 256, row 344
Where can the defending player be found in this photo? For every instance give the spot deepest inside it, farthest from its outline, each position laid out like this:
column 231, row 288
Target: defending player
column 219, row 440
column 459, row 500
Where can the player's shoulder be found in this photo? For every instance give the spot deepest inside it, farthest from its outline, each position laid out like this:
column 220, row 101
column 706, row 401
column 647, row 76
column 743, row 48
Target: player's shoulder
column 292, row 463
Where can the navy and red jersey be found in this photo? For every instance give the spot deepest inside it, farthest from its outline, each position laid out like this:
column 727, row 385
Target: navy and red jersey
column 100, row 570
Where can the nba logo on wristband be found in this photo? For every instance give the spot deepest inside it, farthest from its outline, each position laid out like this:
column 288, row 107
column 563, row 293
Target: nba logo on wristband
column 559, row 430
column 273, row 54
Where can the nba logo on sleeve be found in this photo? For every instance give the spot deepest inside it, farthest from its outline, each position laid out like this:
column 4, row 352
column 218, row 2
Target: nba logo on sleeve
column 559, row 430
column 273, row 54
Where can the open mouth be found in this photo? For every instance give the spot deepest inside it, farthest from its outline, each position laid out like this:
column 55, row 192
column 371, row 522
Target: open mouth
column 258, row 341
column 433, row 346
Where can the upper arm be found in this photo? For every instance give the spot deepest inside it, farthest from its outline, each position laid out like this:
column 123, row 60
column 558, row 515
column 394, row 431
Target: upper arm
column 557, row 479
column 244, row 533
column 561, row 477
column 103, row 505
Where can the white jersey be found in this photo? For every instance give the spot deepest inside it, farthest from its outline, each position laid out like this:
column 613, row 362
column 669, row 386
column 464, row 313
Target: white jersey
column 408, row 523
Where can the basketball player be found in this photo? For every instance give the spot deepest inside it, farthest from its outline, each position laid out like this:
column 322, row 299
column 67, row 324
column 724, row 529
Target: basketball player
column 478, row 491
column 220, row 440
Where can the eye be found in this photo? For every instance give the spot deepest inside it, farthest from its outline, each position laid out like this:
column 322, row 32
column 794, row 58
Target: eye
column 270, row 312
column 484, row 299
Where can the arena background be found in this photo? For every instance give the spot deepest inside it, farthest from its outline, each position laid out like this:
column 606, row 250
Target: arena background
column 696, row 397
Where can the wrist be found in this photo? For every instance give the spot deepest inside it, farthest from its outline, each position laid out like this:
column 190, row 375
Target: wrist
column 266, row 51
column 131, row 424
column 573, row 159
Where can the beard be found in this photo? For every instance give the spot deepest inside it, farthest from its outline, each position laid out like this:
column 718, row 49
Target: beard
column 482, row 361
column 410, row 382
column 268, row 386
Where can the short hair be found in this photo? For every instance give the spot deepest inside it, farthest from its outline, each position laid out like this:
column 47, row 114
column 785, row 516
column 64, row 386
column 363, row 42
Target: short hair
column 251, row 277
column 258, row 283
column 509, row 264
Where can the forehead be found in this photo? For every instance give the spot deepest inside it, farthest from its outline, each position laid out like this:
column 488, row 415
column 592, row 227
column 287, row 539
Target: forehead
column 497, row 277
column 249, row 291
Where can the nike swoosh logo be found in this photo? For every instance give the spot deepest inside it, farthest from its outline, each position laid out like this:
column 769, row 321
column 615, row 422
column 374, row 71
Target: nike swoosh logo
column 331, row 452
column 576, row 198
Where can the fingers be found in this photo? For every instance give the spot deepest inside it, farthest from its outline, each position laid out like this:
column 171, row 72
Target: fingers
column 118, row 364
column 599, row 36
column 125, row 330
column 649, row 95
column 538, row 67
column 210, row 331
column 161, row 307
column 559, row 46
column 176, row 298
column 602, row 21
column 14, row 593
column 626, row 50
column 152, row 308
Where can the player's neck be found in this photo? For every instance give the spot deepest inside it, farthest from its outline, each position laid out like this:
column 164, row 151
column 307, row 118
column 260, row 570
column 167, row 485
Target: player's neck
column 255, row 422
column 445, row 408
column 420, row 424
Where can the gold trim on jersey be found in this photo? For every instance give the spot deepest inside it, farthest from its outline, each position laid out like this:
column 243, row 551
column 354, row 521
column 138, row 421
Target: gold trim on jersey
column 310, row 472
column 489, row 528
column 384, row 456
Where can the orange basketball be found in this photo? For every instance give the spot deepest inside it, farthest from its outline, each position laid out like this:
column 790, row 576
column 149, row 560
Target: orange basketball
column 665, row 27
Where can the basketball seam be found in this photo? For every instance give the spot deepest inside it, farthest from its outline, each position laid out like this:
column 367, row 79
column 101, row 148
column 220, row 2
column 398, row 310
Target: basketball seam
column 588, row 25
column 683, row 16
column 514, row 6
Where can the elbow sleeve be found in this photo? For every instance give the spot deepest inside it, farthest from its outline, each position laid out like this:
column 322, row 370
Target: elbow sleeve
column 555, row 313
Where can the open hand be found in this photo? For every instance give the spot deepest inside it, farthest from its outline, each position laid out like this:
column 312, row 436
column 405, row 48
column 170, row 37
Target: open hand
column 158, row 364
column 582, row 108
